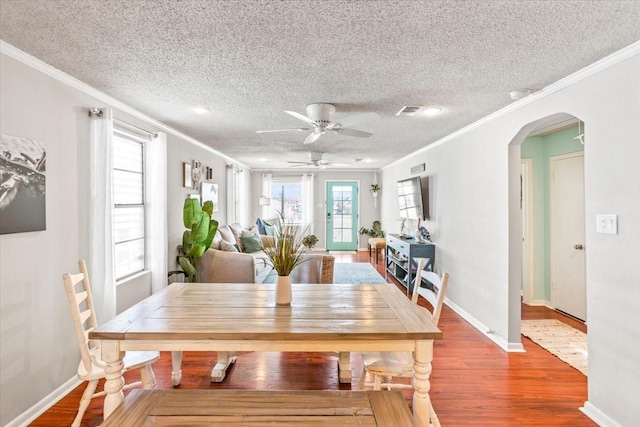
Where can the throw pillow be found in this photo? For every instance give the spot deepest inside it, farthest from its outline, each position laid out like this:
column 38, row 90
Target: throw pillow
column 237, row 229
column 229, row 247
column 251, row 242
column 226, row 234
column 270, row 230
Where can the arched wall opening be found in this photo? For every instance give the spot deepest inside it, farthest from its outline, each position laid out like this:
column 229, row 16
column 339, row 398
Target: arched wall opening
column 520, row 254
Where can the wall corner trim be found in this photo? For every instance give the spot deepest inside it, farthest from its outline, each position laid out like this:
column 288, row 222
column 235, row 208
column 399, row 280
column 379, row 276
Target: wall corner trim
column 28, row 416
column 602, row 64
column 501, row 342
column 37, row 64
column 598, row 416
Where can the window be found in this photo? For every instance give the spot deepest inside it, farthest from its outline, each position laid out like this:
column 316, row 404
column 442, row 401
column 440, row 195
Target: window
column 128, row 203
column 286, row 197
column 292, row 196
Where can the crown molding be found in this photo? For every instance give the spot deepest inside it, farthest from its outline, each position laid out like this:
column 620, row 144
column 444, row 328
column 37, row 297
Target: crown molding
column 37, row 64
column 588, row 71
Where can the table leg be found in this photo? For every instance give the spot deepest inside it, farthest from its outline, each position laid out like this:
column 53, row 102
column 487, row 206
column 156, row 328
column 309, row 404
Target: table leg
column 219, row 371
column 344, row 367
column 114, row 381
column 422, row 410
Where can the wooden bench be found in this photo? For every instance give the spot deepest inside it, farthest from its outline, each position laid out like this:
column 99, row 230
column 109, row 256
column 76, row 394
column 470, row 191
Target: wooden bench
column 251, row 407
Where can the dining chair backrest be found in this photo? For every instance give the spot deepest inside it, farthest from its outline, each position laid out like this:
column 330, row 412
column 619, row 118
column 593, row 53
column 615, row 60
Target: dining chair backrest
column 82, row 310
column 434, row 294
column 317, row 268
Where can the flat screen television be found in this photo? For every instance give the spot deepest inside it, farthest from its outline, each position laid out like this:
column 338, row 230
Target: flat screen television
column 412, row 198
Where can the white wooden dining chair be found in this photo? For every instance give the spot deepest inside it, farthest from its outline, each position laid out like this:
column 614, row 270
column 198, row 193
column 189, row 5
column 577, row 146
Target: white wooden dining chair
column 384, row 365
column 91, row 367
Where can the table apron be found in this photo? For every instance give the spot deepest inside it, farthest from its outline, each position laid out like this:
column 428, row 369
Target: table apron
column 261, row 345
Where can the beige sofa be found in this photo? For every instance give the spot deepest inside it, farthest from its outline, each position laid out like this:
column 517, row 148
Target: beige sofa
column 221, row 266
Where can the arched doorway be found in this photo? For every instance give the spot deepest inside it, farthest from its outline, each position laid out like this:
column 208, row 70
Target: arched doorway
column 536, row 227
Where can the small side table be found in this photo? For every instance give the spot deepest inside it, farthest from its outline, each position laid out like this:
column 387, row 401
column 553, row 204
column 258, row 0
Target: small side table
column 377, row 244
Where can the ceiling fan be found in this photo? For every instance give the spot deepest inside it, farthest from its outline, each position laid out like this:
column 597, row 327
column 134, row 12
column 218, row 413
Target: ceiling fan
column 316, row 161
column 320, row 118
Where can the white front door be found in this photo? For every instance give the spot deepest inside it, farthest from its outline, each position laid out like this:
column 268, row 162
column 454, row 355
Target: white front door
column 567, row 234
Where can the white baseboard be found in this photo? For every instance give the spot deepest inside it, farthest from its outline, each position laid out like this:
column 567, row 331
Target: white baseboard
column 598, row 416
column 507, row 346
column 541, row 302
column 28, row 416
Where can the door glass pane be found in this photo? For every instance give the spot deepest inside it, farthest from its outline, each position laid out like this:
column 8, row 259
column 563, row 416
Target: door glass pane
column 337, row 235
column 346, row 221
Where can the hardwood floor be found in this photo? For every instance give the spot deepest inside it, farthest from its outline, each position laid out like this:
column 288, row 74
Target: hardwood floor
column 474, row 382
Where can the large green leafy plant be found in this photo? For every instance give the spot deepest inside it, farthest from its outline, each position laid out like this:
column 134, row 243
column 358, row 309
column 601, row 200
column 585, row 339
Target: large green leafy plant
column 197, row 238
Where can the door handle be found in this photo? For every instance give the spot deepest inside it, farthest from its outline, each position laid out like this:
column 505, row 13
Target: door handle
column 578, row 247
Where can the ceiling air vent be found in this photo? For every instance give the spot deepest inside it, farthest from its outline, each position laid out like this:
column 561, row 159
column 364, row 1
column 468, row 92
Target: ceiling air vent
column 408, row 111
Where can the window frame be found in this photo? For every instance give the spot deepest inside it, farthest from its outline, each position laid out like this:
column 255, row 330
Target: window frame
column 127, row 135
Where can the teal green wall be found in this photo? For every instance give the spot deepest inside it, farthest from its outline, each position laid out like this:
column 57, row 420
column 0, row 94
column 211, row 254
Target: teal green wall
column 540, row 149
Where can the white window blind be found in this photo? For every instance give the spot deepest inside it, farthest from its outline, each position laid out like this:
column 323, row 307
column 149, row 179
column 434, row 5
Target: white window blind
column 128, row 203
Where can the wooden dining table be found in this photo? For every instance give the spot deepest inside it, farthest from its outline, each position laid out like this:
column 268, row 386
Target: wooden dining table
column 244, row 317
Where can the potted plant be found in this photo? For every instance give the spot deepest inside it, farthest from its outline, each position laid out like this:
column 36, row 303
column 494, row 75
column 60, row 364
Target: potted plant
column 374, row 189
column 197, row 238
column 374, row 231
column 310, row 241
column 288, row 252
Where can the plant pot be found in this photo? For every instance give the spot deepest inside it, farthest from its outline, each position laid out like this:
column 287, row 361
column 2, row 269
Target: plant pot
column 283, row 290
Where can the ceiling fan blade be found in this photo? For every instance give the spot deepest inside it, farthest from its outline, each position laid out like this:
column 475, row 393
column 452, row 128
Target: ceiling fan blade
column 352, row 132
column 303, row 163
column 339, row 165
column 300, row 117
column 312, row 137
column 281, row 130
column 358, row 118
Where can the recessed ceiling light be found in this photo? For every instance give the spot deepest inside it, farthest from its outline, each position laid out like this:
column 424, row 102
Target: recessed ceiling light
column 201, row 110
column 432, row 111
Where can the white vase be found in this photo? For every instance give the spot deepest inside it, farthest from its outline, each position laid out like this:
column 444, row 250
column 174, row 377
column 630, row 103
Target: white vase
column 283, row 290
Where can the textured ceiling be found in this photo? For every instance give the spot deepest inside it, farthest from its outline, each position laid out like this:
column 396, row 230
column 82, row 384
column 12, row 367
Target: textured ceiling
column 248, row 61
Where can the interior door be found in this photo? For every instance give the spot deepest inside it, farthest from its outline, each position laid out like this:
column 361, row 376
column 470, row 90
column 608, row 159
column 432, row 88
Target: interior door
column 567, row 235
column 342, row 215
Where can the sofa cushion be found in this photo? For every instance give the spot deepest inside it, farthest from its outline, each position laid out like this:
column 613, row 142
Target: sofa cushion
column 250, row 242
column 237, row 230
column 226, row 234
column 261, row 223
column 215, row 243
column 228, row 246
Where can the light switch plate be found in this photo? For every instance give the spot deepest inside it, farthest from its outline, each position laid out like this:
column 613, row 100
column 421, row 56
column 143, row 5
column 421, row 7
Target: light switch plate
column 607, row 224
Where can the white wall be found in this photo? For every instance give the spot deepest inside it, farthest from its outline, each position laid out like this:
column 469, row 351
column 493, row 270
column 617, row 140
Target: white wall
column 38, row 350
column 470, row 210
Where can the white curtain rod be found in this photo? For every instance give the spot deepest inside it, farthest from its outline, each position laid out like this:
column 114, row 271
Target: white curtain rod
column 129, row 125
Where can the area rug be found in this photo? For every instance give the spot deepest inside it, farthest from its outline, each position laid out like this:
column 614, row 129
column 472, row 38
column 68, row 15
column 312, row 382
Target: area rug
column 356, row 273
column 559, row 339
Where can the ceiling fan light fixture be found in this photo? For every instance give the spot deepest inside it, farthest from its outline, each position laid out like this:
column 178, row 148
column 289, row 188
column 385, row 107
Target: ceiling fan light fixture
column 201, row 110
